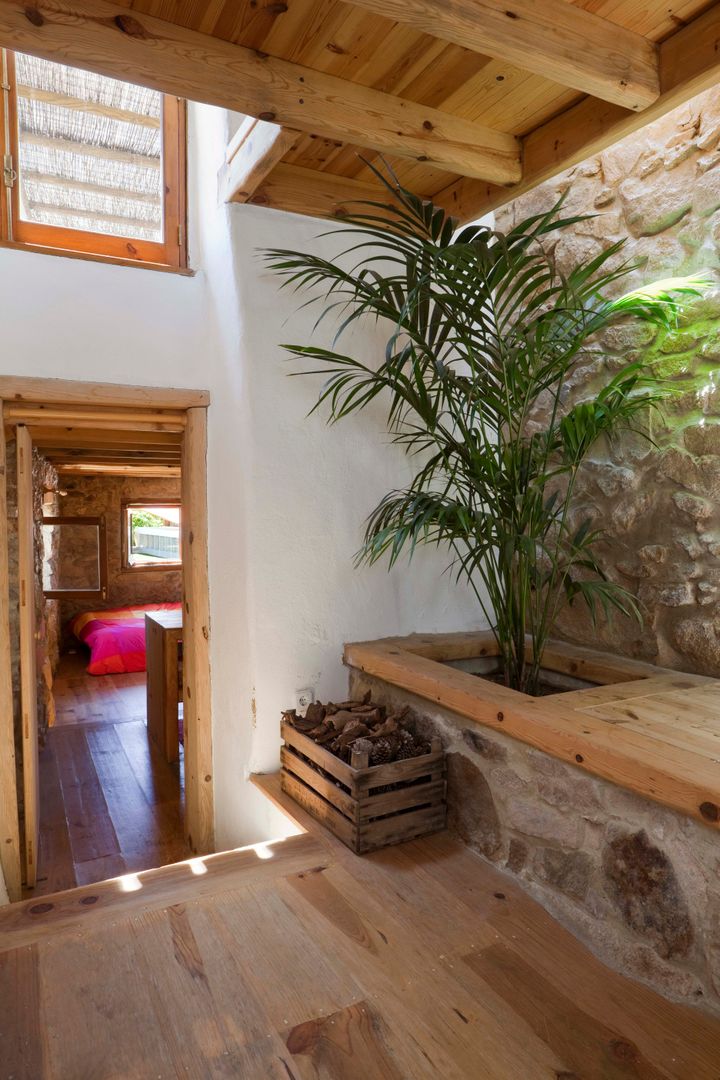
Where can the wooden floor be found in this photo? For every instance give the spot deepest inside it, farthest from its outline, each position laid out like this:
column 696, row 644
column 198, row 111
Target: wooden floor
column 301, row 961
column 109, row 803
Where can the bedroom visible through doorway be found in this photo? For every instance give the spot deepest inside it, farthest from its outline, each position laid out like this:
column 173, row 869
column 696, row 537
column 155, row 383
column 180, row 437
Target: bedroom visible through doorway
column 111, row 798
column 112, row 694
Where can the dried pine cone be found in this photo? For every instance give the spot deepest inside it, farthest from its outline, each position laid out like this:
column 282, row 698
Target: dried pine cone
column 383, row 751
column 408, row 747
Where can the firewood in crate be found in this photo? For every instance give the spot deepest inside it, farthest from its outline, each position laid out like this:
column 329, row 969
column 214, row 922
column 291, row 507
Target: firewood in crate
column 366, row 806
column 324, row 733
column 299, row 722
column 340, row 718
column 315, row 713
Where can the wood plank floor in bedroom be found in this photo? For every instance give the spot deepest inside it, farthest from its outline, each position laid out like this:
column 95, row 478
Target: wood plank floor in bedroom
column 109, row 803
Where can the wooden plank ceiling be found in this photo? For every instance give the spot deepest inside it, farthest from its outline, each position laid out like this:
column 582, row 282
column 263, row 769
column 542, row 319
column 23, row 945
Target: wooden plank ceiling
column 470, row 101
column 97, row 450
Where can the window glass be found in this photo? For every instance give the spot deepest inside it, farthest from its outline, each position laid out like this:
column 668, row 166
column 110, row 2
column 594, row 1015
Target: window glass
column 90, row 151
column 152, row 535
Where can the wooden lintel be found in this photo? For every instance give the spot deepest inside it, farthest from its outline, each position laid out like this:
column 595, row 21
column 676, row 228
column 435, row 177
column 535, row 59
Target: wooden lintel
column 689, row 64
column 263, row 145
column 104, row 37
column 16, row 389
column 552, row 38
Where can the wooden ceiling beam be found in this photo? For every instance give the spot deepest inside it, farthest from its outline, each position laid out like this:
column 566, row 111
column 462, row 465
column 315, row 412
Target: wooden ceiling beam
column 100, row 36
column 119, row 470
column 76, row 438
column 257, row 148
column 689, row 65
column 552, row 38
column 318, row 194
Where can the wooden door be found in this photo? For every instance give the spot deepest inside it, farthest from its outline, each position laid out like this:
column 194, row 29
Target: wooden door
column 28, row 662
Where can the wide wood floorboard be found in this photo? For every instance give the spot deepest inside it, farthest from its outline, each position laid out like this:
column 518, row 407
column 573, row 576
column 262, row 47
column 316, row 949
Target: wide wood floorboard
column 298, row 960
column 109, row 803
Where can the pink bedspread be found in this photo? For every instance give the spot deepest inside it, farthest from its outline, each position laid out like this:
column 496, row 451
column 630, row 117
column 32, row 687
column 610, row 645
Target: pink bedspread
column 116, row 638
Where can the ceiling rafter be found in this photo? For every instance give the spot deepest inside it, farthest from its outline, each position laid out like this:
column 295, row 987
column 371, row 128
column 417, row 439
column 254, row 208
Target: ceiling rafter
column 160, row 54
column 552, row 38
column 689, row 64
column 254, row 151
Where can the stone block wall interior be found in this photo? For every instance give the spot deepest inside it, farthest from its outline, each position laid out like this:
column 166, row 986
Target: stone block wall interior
column 634, row 880
column 660, row 189
column 97, row 496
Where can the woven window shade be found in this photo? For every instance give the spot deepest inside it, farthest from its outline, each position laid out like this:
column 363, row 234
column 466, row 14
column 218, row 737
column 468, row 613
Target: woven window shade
column 90, row 151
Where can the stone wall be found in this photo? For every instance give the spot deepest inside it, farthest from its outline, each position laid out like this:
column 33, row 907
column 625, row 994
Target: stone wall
column 95, row 496
column 637, row 882
column 660, row 188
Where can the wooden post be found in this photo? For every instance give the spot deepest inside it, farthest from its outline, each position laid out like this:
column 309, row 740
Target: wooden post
column 199, row 810
column 10, row 858
column 28, row 663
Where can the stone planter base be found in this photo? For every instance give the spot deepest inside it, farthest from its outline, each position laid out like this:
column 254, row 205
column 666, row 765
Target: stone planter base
column 634, row 880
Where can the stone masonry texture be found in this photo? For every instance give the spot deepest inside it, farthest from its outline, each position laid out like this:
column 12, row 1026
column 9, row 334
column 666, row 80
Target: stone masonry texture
column 659, row 189
column 638, row 883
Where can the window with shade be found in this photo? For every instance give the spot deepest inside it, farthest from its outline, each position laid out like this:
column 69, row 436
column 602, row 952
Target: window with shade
column 150, row 535
column 91, row 165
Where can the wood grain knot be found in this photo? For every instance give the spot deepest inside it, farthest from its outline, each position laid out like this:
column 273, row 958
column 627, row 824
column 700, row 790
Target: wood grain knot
column 130, row 26
column 276, row 9
column 427, row 124
column 623, row 1050
column 41, row 909
column 499, row 895
column 511, row 15
column 33, row 15
column 88, row 900
column 710, row 811
column 579, row 758
column 501, row 716
column 268, row 116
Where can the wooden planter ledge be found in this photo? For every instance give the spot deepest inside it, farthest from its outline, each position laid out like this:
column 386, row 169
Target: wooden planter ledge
column 649, row 729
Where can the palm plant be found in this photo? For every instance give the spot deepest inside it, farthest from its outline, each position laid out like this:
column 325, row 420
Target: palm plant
column 482, row 329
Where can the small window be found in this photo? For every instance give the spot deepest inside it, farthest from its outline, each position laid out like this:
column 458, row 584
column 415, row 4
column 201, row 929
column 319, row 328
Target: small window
column 91, row 165
column 151, row 536
column 74, row 558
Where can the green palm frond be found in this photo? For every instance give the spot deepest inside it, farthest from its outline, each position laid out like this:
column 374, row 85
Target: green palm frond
column 480, row 328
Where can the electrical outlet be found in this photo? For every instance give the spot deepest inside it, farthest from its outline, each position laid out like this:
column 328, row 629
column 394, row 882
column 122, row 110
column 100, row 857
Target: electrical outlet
column 303, row 698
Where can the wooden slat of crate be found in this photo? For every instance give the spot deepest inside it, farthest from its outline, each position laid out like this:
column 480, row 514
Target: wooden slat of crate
column 401, row 827
column 341, row 800
column 332, row 764
column 320, row 809
column 393, row 801
column 432, row 764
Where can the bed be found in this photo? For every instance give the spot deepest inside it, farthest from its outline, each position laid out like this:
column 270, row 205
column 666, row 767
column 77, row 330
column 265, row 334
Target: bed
column 116, row 638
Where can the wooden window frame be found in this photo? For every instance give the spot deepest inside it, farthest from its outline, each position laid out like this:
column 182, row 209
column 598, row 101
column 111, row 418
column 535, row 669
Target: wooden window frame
column 83, row 594
column 144, row 568
column 170, row 254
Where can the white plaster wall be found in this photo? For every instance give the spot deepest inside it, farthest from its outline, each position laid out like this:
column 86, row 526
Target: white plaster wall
column 287, row 495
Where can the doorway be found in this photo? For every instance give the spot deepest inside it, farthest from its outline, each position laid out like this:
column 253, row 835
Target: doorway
column 84, row 430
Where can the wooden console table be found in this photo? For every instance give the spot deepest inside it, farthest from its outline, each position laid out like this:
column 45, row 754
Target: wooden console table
column 163, row 636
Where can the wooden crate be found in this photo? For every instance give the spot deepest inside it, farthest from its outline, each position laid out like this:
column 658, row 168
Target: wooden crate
column 347, row 801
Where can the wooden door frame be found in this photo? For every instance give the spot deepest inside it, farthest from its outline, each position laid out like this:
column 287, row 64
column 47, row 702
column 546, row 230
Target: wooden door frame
column 122, row 406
